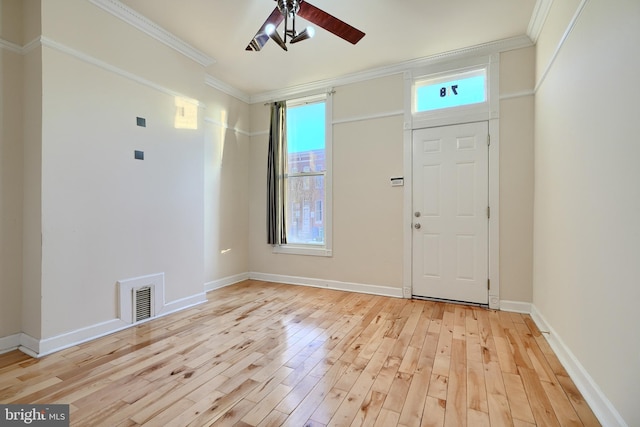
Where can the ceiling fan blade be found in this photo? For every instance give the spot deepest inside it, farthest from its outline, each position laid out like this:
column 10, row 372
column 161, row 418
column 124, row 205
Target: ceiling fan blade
column 261, row 37
column 330, row 23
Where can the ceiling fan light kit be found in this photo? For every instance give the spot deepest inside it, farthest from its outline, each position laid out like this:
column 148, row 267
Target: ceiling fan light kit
column 287, row 10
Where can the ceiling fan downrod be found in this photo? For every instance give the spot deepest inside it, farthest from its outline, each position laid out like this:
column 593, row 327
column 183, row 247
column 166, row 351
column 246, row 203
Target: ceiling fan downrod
column 289, row 9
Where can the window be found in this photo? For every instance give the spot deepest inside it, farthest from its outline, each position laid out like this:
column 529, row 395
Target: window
column 308, row 148
column 457, row 90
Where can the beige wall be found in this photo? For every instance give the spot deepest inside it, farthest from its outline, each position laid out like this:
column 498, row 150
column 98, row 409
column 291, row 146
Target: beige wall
column 11, row 21
column 517, row 72
column 367, row 211
column 587, row 198
column 368, row 237
column 11, row 81
column 32, row 181
column 226, row 187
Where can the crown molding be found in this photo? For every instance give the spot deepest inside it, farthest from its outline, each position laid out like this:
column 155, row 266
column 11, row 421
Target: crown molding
column 561, row 42
column 538, row 18
column 226, row 88
column 154, row 30
column 399, row 68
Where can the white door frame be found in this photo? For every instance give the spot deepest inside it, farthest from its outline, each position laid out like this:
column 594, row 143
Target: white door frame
column 490, row 113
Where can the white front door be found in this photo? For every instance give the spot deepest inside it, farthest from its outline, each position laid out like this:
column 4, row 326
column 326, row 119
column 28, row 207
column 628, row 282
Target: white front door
column 450, row 212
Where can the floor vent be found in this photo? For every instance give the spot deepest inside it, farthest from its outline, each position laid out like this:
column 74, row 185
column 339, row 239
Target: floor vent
column 143, row 303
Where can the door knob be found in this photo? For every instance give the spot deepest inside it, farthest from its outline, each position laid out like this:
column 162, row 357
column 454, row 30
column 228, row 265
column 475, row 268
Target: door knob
column 417, row 226
column 417, row 214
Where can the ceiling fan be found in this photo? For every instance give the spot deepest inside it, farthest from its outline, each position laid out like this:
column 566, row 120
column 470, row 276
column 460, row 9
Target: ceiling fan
column 286, row 11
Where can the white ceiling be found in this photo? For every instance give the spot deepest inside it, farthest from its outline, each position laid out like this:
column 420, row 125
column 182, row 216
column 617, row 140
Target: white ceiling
column 396, row 31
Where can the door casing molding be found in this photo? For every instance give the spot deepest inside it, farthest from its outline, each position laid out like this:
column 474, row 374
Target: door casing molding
column 490, row 113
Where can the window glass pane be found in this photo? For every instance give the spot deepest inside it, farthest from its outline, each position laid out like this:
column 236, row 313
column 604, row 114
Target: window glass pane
column 306, row 155
column 305, row 219
column 452, row 91
column 306, row 138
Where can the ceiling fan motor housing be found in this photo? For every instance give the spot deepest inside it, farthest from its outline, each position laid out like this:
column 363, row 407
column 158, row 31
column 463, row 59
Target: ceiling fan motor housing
column 288, row 7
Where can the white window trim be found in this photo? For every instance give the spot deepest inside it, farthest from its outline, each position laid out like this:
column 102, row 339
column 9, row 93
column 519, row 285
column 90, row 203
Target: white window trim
column 482, row 70
column 463, row 114
column 325, row 250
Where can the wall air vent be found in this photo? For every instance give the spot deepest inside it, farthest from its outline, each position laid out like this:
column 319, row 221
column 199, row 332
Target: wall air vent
column 143, row 307
column 140, row 298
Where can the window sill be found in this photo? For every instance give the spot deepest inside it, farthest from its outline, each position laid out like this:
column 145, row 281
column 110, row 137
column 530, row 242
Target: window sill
column 302, row 250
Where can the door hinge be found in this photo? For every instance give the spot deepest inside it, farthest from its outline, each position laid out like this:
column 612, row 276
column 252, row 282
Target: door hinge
column 488, row 140
column 489, row 212
column 488, row 284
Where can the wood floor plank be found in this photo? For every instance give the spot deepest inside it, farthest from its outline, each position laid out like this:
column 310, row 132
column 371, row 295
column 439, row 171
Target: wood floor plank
column 456, row 410
column 368, row 413
column 579, row 404
column 478, row 418
column 387, row 418
column 433, row 414
column 265, row 405
column 438, row 386
column 269, row 354
column 540, row 405
column 564, row 411
column 352, row 405
column 398, row 392
column 320, row 393
column 518, row 401
column 499, row 410
column 411, row 414
column 476, row 387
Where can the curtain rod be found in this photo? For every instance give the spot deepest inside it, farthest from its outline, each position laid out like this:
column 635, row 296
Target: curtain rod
column 329, row 92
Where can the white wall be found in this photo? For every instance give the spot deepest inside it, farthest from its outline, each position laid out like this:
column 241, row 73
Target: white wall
column 105, row 215
column 93, row 214
column 587, row 197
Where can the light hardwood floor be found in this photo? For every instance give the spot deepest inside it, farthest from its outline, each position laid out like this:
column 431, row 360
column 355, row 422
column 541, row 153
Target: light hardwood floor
column 265, row 354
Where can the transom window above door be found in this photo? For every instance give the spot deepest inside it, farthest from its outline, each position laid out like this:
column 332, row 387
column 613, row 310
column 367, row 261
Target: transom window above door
column 450, row 91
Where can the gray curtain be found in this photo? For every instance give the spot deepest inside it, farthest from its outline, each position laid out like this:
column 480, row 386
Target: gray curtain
column 276, row 172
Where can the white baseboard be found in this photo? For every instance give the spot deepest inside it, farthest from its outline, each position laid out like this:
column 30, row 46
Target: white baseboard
column 329, row 284
column 183, row 304
column 29, row 345
column 515, row 306
column 593, row 395
column 69, row 339
column 226, row 281
column 9, row 343
column 39, row 348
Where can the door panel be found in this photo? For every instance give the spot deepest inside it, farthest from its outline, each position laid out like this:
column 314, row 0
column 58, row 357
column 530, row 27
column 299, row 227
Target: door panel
column 450, row 199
